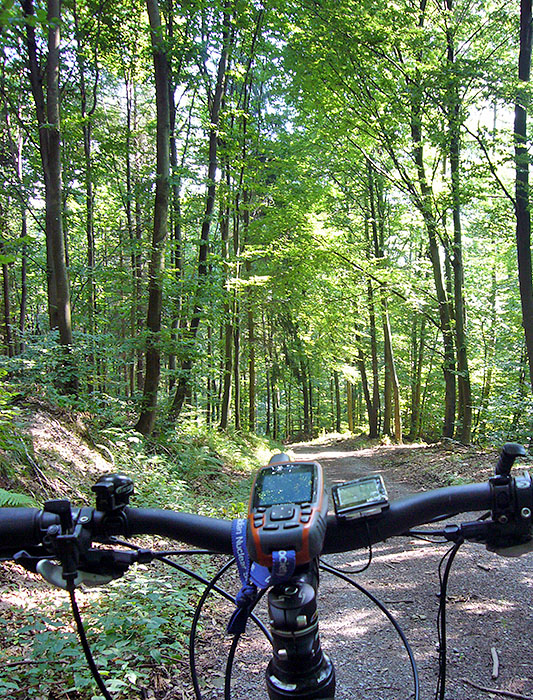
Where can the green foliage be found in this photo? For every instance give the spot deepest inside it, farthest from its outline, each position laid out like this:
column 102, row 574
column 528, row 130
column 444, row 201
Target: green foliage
column 10, row 498
column 193, row 469
column 135, row 626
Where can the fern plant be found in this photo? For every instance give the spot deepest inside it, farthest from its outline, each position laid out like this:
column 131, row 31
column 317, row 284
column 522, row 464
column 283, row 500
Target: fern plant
column 10, row 498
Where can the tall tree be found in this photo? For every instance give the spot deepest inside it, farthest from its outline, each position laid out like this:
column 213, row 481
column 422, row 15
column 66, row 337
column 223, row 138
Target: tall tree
column 215, row 100
column 523, row 216
column 454, row 136
column 47, row 107
column 147, row 417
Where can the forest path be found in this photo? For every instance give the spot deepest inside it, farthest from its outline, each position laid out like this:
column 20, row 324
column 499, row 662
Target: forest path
column 489, row 600
column 342, row 462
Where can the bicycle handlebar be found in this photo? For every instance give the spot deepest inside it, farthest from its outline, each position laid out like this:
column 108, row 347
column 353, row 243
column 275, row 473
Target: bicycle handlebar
column 22, row 528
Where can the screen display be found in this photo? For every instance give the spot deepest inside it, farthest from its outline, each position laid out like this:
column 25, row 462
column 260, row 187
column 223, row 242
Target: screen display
column 360, row 493
column 285, row 484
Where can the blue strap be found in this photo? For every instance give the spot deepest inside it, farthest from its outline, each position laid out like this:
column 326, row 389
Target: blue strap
column 259, row 575
column 283, row 565
column 254, row 576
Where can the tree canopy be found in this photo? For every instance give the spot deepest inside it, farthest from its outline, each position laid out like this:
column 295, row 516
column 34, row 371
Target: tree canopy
column 271, row 216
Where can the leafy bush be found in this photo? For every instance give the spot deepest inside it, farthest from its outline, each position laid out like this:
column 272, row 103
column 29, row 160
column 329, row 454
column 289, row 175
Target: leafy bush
column 135, row 626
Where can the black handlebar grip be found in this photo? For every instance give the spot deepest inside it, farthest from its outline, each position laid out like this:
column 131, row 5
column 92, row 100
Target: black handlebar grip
column 22, row 527
column 510, row 451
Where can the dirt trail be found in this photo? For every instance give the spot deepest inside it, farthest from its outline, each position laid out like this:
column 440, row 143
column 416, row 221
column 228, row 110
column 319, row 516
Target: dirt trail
column 489, row 606
column 341, row 462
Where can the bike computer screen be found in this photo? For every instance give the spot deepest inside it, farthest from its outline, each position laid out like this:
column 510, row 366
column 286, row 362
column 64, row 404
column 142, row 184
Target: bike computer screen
column 288, row 509
column 288, row 483
column 361, row 497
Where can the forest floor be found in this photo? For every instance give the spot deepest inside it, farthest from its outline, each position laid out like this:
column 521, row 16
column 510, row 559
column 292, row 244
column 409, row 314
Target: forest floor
column 489, row 597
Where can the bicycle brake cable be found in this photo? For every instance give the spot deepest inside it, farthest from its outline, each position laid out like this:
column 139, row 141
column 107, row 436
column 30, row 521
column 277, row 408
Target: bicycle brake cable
column 448, row 557
column 85, row 644
column 391, row 618
column 233, row 649
column 352, row 572
column 210, row 586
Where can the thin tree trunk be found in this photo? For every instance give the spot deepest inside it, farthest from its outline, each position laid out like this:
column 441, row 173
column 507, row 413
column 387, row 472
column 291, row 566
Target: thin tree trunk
column 337, row 402
column 349, row 405
column 393, row 377
column 251, row 359
column 23, row 283
column 418, row 346
column 227, row 371
column 8, row 332
column 86, row 115
column 361, row 365
column 435, row 257
column 489, row 354
column 236, row 362
column 463, row 374
column 48, row 119
column 523, row 218
column 147, row 417
column 183, row 387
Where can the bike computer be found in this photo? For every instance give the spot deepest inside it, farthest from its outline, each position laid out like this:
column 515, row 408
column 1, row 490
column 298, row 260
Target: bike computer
column 288, row 508
column 360, row 498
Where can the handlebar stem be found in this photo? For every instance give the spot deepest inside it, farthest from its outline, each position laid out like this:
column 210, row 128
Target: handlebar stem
column 298, row 667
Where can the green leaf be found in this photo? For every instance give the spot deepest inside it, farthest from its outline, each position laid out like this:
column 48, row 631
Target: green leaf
column 12, row 499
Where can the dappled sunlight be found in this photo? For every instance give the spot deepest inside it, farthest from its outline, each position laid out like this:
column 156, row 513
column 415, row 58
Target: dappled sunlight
column 353, row 623
column 482, row 607
column 325, row 455
column 527, row 580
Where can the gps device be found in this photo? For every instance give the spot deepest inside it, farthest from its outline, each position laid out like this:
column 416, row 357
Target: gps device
column 360, row 498
column 288, row 509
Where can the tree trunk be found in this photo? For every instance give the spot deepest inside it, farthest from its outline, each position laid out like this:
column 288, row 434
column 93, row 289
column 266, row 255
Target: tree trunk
column 227, row 372
column 489, row 342
column 183, row 387
column 371, row 411
column 251, row 359
column 393, row 377
column 523, row 218
column 349, row 405
column 86, row 116
column 146, row 421
column 48, row 119
column 463, row 375
column 417, row 349
column 425, row 207
column 8, row 331
column 337, row 402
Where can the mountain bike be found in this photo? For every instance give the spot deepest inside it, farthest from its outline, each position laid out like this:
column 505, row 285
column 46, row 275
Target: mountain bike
column 278, row 550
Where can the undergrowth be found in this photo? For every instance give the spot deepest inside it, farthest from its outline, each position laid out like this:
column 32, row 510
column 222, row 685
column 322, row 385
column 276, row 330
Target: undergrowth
column 136, row 625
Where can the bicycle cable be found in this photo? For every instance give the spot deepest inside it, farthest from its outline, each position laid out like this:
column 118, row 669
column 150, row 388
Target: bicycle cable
column 389, row 615
column 232, row 651
column 85, row 644
column 194, row 625
column 448, row 557
column 210, row 585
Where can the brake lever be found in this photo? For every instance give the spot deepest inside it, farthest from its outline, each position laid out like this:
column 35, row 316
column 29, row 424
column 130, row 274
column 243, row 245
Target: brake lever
column 53, row 573
column 98, row 566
